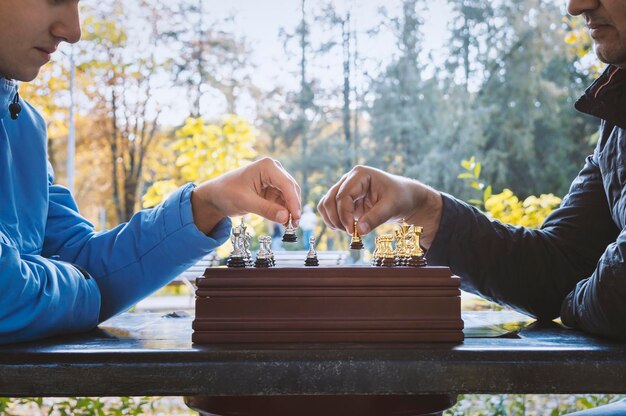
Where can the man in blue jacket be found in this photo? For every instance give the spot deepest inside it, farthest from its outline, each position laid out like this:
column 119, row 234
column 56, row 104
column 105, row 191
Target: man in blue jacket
column 57, row 275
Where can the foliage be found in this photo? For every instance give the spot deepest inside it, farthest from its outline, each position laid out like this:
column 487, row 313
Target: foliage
column 204, row 151
column 87, row 406
column 467, row 405
column 208, row 57
column 519, row 405
column 505, row 206
column 124, row 111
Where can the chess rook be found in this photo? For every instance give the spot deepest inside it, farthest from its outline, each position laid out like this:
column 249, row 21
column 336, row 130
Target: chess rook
column 383, row 253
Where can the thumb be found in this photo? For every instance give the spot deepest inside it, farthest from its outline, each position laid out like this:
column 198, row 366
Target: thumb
column 377, row 215
column 267, row 209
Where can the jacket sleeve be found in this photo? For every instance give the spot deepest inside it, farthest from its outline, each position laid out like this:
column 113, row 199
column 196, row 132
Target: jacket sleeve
column 529, row 270
column 43, row 297
column 136, row 258
column 598, row 304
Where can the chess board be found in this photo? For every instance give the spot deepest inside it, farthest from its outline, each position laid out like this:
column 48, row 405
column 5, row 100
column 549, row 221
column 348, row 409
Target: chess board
column 328, row 304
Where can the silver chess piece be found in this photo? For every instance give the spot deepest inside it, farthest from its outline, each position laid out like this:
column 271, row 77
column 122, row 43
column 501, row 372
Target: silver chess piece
column 244, row 242
column 263, row 256
column 290, row 232
column 236, row 258
column 311, row 256
column 268, row 247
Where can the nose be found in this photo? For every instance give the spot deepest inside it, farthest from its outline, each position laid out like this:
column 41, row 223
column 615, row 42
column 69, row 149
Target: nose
column 67, row 24
column 578, row 7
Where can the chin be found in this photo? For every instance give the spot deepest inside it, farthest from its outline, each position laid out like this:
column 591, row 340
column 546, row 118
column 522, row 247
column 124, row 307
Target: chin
column 27, row 77
column 611, row 56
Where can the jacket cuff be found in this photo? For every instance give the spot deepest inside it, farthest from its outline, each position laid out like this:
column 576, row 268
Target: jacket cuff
column 179, row 215
column 567, row 310
column 437, row 255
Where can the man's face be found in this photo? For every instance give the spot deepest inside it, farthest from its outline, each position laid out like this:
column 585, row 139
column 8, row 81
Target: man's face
column 31, row 30
column 606, row 20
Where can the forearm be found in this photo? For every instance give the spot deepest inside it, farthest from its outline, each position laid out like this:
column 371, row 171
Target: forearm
column 529, row 270
column 41, row 297
column 598, row 304
column 136, row 258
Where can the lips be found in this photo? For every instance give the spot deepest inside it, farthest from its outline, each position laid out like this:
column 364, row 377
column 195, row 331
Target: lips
column 597, row 29
column 45, row 53
column 49, row 51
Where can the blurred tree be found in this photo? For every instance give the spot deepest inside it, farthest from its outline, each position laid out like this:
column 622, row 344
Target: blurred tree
column 207, row 57
column 407, row 110
column 122, row 104
column 203, row 151
column 534, row 141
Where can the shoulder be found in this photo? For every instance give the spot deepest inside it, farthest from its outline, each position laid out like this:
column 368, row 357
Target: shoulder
column 32, row 116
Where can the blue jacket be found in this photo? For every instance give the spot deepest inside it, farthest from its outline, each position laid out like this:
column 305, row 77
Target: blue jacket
column 44, row 242
column 575, row 265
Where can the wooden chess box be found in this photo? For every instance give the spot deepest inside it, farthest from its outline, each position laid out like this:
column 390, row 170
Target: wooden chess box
column 327, row 304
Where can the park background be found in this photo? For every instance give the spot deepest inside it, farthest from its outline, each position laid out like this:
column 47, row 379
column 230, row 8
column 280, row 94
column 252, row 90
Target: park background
column 474, row 98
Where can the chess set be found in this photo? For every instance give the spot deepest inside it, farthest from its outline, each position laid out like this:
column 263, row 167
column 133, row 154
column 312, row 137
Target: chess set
column 397, row 299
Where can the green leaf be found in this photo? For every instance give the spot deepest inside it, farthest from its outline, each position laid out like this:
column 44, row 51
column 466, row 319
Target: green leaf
column 476, row 185
column 477, row 170
column 487, row 194
column 468, row 164
column 465, row 176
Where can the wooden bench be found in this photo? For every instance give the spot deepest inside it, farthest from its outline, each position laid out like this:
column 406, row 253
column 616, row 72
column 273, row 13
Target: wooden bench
column 127, row 355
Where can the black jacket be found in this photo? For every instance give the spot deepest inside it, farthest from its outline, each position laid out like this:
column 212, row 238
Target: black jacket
column 575, row 265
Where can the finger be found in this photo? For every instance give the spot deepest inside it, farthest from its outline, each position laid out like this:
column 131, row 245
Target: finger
column 329, row 202
column 268, row 209
column 322, row 210
column 274, row 176
column 378, row 214
column 350, row 197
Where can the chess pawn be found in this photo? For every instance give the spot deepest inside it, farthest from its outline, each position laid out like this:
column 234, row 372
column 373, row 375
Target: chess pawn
column 290, row 232
column 267, row 240
column 376, row 255
column 311, row 257
column 263, row 259
column 357, row 242
column 236, row 258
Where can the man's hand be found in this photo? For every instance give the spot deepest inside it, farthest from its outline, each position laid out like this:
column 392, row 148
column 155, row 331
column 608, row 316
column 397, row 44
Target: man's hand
column 374, row 197
column 263, row 187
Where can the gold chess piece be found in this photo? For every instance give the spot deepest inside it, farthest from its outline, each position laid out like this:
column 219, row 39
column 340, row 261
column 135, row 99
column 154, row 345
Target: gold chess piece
column 403, row 243
column 416, row 255
column 383, row 253
column 357, row 241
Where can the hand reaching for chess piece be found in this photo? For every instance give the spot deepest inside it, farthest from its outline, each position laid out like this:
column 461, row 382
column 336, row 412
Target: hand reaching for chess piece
column 374, row 197
column 263, row 187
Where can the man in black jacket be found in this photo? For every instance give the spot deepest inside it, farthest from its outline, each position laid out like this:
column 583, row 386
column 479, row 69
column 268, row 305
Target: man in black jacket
column 575, row 265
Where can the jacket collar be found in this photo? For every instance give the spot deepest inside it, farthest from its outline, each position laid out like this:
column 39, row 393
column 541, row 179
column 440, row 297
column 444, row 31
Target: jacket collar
column 606, row 97
column 8, row 89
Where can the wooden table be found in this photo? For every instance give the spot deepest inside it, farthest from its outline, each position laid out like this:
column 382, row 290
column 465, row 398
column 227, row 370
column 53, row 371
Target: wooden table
column 149, row 354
